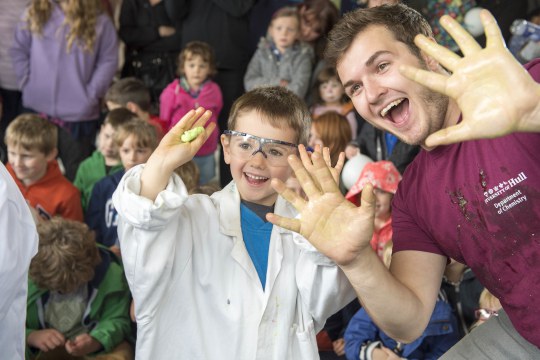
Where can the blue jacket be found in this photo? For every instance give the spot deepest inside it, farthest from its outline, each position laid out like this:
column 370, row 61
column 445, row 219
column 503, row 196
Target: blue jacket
column 101, row 216
column 440, row 335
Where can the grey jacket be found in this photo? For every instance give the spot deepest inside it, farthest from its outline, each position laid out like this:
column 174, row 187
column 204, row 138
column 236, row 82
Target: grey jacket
column 295, row 66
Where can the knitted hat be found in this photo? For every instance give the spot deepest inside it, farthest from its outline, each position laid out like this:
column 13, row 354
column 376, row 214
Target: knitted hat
column 382, row 174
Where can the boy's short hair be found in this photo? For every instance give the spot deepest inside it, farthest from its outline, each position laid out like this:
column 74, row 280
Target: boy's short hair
column 278, row 106
column 189, row 173
column 144, row 132
column 129, row 89
column 119, row 116
column 197, row 48
column 402, row 21
column 67, row 255
column 286, row 11
column 32, row 132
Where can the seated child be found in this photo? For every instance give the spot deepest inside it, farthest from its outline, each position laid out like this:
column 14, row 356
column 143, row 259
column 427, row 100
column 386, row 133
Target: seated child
column 211, row 277
column 135, row 141
column 78, row 299
column 31, row 143
column 329, row 95
column 385, row 178
column 364, row 340
column 105, row 160
column 488, row 306
column 194, row 88
column 281, row 59
column 189, row 173
column 132, row 94
column 462, row 289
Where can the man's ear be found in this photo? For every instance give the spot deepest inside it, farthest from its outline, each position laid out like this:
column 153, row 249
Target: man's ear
column 430, row 61
column 226, row 148
column 52, row 155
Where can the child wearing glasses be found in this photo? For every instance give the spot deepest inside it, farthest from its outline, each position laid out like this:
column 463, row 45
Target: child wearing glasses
column 210, row 276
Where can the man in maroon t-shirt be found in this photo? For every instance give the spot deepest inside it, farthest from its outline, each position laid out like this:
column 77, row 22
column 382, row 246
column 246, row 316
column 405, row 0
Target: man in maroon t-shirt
column 475, row 201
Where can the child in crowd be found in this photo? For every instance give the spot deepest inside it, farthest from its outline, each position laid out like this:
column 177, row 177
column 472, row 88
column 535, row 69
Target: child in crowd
column 364, row 340
column 194, row 88
column 211, row 277
column 78, row 299
column 132, row 94
column 189, row 173
column 463, row 291
column 105, row 160
column 135, row 141
column 65, row 54
column 31, row 143
column 329, row 95
column 385, row 178
column 281, row 59
column 489, row 306
column 330, row 130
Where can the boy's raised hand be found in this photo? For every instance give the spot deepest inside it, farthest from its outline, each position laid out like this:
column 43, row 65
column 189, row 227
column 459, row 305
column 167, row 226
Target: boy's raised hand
column 172, row 152
column 494, row 92
column 336, row 227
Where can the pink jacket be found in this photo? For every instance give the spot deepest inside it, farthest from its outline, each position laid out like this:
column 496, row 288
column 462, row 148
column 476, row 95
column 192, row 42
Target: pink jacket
column 175, row 102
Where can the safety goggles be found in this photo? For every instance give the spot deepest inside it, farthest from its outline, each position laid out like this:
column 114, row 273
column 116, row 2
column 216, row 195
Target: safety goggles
column 245, row 146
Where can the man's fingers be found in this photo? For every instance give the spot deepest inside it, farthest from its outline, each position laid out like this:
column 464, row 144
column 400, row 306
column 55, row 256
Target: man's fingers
column 491, row 29
column 304, row 156
column 429, row 79
column 303, row 176
column 326, row 156
column 462, row 37
column 340, row 164
column 323, row 174
column 288, row 194
column 444, row 56
column 453, row 134
column 286, row 223
column 367, row 199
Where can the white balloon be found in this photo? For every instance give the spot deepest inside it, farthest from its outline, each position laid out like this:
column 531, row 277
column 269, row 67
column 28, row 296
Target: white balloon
column 472, row 22
column 352, row 169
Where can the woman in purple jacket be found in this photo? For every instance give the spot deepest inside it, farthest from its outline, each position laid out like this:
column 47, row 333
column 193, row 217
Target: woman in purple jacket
column 65, row 54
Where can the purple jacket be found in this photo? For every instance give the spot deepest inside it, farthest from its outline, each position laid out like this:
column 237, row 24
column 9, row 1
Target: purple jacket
column 64, row 85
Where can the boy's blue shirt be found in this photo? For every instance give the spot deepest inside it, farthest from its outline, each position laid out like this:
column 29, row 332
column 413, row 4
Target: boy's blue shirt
column 256, row 233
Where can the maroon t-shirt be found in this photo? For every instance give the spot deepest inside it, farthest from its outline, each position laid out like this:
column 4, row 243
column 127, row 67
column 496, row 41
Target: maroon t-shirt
column 479, row 203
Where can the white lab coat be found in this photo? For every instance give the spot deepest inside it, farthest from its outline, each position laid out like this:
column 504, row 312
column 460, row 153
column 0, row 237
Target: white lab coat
column 18, row 244
column 196, row 291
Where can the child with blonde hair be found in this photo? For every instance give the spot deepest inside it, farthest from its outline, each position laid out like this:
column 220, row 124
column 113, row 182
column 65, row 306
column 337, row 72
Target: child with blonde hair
column 65, row 54
column 135, row 140
column 31, row 143
column 194, row 88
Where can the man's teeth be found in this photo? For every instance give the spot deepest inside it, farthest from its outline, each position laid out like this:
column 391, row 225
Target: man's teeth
column 390, row 106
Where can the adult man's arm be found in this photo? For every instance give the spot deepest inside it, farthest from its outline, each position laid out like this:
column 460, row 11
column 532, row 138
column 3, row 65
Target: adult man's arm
column 400, row 301
column 494, row 92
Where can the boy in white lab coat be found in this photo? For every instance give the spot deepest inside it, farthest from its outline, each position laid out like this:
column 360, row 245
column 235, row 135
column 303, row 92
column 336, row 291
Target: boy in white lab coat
column 210, row 277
